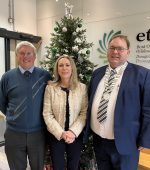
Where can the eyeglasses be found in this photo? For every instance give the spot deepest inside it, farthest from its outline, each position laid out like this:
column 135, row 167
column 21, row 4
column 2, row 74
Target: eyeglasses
column 26, row 54
column 118, row 49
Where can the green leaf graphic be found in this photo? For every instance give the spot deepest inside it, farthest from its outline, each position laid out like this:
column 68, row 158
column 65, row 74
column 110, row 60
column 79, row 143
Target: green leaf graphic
column 103, row 44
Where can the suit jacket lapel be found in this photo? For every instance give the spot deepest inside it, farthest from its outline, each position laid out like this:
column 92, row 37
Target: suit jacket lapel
column 96, row 81
column 124, row 81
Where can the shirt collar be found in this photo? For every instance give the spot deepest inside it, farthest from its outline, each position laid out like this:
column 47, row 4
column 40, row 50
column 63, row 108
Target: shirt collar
column 23, row 70
column 121, row 67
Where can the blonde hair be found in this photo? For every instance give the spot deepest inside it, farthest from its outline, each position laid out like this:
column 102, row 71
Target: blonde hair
column 25, row 43
column 73, row 79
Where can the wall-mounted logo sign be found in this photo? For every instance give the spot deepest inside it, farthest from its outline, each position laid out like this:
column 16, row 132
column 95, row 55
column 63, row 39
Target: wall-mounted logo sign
column 143, row 36
column 104, row 43
column 143, row 48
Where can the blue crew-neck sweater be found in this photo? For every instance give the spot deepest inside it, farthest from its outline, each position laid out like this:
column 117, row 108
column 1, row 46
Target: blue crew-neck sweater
column 21, row 99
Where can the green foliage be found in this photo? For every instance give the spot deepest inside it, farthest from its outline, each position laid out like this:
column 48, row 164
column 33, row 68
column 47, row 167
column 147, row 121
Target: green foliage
column 69, row 38
column 87, row 161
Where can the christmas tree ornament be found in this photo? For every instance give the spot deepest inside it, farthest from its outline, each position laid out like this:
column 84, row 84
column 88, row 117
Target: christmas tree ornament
column 66, row 51
column 81, row 76
column 64, row 29
column 68, row 10
column 80, row 58
column 57, row 55
column 75, row 48
column 74, row 33
column 79, row 25
column 87, row 51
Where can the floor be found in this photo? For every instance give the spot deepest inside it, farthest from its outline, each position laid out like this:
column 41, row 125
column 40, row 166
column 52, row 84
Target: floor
column 143, row 168
column 3, row 160
column 145, row 158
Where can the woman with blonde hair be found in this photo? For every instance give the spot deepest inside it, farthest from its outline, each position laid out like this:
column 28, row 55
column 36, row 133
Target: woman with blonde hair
column 65, row 106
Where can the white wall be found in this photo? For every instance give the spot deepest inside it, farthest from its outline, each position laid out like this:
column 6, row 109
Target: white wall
column 99, row 16
column 128, row 25
column 25, row 16
column 3, row 24
column 38, row 17
column 48, row 12
column 25, row 21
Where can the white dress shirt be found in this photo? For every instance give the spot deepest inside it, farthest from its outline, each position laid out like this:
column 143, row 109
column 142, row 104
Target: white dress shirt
column 106, row 129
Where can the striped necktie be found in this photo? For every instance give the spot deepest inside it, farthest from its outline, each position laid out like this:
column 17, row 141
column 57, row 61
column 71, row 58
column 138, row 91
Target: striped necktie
column 102, row 109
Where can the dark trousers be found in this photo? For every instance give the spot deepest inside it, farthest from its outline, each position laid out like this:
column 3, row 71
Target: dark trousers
column 59, row 150
column 19, row 145
column 108, row 158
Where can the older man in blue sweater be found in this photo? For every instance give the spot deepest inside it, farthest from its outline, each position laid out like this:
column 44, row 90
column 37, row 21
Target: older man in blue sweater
column 21, row 101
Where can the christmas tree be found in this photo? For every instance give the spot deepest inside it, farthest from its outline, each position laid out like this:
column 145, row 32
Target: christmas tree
column 69, row 38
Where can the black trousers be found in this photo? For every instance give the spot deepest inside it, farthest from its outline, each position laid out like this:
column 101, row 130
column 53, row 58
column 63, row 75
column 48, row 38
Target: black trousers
column 108, row 158
column 59, row 150
column 19, row 146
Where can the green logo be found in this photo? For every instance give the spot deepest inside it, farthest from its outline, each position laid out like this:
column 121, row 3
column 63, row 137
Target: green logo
column 104, row 44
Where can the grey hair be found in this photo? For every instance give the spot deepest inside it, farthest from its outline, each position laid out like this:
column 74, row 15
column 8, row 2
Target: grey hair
column 25, row 43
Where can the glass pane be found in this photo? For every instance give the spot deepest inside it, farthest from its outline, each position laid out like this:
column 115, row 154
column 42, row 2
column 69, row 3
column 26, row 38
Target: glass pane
column 2, row 57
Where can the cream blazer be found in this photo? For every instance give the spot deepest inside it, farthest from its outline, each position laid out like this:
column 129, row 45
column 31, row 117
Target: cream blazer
column 54, row 111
